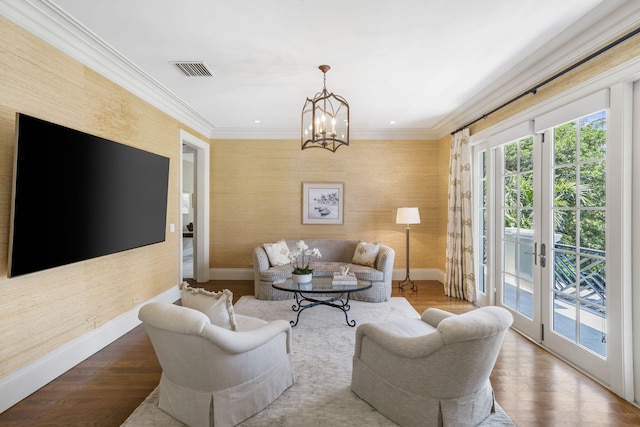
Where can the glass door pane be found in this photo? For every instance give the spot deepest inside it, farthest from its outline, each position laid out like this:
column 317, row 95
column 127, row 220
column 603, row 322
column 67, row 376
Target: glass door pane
column 518, row 245
column 579, row 217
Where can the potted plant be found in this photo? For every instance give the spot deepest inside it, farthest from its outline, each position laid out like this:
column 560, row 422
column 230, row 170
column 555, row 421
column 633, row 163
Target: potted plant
column 300, row 260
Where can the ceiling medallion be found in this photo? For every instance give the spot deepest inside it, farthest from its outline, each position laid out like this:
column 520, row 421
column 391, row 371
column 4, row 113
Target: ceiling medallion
column 325, row 119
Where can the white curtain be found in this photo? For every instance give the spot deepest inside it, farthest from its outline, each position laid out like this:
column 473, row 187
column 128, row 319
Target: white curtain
column 460, row 277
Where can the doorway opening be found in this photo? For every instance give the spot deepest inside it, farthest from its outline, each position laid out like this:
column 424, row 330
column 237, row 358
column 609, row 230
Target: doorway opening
column 194, row 208
column 187, row 210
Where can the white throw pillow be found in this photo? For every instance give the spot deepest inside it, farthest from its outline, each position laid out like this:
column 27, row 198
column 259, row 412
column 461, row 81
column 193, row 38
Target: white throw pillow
column 366, row 254
column 218, row 306
column 277, row 252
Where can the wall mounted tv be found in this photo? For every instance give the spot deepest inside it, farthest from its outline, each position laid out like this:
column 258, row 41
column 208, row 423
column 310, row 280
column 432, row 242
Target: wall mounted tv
column 77, row 196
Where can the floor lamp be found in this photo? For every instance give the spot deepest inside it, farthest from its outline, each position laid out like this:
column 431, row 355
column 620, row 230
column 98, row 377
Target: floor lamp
column 407, row 216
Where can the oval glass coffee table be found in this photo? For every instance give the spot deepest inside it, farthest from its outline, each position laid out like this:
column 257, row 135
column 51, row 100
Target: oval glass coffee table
column 320, row 291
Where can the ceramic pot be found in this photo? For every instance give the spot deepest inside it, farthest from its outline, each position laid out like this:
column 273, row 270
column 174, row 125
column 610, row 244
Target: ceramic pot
column 301, row 278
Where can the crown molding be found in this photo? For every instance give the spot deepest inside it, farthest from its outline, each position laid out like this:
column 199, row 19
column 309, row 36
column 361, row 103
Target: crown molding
column 256, row 133
column 603, row 24
column 399, row 134
column 47, row 21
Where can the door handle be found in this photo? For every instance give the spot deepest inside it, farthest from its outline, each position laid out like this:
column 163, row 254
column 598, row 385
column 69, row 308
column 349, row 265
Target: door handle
column 543, row 254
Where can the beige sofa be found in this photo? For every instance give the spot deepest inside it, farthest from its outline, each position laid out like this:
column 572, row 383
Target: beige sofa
column 335, row 253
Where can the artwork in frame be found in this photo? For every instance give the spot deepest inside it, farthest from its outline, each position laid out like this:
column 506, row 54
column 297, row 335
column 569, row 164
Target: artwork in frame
column 322, row 203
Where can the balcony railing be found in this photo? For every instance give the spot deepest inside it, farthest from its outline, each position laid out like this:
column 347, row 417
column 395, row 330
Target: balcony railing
column 586, row 280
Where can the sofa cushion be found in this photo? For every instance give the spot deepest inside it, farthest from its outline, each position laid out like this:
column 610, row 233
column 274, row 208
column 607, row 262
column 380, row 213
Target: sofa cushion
column 278, row 253
column 323, row 269
column 363, row 272
column 218, row 306
column 366, row 254
column 247, row 323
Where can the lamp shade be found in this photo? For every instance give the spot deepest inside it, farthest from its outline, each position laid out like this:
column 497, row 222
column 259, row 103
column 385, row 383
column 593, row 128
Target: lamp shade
column 408, row 216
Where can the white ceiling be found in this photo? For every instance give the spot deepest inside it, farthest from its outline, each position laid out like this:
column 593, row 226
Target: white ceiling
column 420, row 63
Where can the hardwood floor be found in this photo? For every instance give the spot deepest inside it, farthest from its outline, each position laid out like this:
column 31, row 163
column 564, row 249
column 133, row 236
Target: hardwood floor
column 534, row 387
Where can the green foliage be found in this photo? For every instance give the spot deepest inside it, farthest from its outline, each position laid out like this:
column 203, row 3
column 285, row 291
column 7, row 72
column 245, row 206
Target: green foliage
column 579, row 182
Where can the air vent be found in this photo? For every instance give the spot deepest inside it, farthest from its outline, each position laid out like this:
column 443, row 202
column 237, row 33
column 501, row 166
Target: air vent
column 192, row 68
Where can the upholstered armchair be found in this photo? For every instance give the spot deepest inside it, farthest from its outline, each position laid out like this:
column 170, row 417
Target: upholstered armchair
column 433, row 370
column 213, row 376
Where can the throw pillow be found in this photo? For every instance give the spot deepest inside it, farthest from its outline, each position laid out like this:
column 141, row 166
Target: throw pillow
column 278, row 253
column 366, row 254
column 218, row 306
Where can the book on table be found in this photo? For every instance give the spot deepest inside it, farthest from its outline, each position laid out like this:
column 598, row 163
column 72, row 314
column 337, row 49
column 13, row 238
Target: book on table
column 348, row 279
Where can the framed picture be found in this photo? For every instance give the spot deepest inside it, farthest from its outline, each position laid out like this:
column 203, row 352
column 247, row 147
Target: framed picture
column 322, row 203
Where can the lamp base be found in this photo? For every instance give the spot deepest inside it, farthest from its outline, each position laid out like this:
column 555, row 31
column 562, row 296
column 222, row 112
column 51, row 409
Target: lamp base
column 407, row 280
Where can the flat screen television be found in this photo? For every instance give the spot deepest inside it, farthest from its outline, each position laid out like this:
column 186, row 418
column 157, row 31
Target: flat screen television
column 77, row 196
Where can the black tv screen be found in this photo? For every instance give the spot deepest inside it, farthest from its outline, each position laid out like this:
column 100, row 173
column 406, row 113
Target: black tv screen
column 77, row 196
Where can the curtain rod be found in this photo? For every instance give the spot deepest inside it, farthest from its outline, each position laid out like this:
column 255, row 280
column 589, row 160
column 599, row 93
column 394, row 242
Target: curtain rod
column 535, row 88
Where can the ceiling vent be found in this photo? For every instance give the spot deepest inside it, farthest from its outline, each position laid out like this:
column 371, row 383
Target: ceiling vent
column 193, row 68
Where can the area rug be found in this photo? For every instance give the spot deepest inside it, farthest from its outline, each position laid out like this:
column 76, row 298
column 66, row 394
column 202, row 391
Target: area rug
column 323, row 347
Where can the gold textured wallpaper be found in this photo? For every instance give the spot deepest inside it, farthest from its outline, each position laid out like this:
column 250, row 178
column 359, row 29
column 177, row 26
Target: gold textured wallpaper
column 40, row 312
column 256, row 196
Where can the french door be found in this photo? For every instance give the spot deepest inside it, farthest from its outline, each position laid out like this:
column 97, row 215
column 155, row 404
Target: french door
column 520, row 248
column 574, row 219
column 544, row 212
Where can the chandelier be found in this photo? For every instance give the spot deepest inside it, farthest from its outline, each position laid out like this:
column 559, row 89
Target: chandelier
column 325, row 119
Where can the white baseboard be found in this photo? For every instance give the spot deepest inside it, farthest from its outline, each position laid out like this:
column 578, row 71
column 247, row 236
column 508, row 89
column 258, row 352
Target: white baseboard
column 231, row 274
column 21, row 383
column 247, row 274
column 420, row 274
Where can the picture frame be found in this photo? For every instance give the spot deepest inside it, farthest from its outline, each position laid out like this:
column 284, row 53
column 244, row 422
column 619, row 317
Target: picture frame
column 322, row 203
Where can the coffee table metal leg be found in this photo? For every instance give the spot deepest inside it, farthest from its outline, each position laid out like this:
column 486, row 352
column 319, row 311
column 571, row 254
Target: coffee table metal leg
column 346, row 307
column 299, row 307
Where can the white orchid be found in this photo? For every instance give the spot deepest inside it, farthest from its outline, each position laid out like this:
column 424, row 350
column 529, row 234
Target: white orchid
column 301, row 257
column 301, row 246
